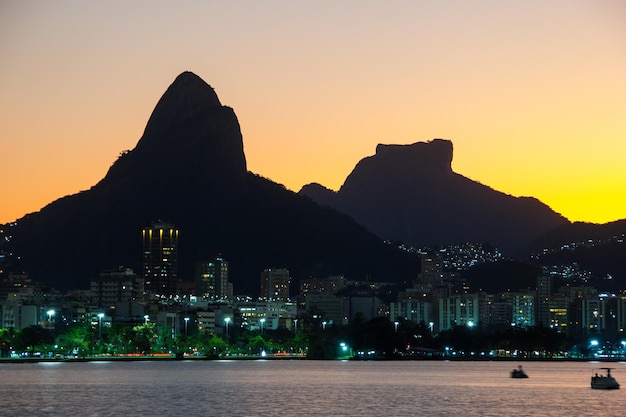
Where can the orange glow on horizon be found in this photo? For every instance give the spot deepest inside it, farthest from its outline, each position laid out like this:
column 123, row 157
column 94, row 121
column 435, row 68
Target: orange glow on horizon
column 533, row 96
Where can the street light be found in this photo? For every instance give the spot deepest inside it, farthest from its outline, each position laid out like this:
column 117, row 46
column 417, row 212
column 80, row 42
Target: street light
column 186, row 321
column 323, row 325
column 432, row 326
column 50, row 314
column 395, row 325
column 146, row 319
column 262, row 321
column 295, row 326
column 100, row 315
column 227, row 320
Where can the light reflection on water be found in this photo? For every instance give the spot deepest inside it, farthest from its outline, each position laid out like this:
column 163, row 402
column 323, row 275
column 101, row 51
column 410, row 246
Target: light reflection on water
column 305, row 388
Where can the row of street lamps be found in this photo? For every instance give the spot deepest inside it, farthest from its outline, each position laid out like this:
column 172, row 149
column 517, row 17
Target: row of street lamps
column 431, row 325
column 226, row 321
column 146, row 318
column 51, row 313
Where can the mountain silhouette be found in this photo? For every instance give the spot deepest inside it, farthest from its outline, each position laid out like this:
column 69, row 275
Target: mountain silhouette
column 410, row 193
column 597, row 248
column 576, row 232
column 189, row 169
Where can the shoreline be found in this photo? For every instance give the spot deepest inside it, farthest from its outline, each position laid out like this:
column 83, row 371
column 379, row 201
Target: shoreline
column 160, row 358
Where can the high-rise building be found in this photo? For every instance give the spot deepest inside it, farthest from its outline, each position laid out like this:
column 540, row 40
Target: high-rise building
column 523, row 309
column 601, row 313
column 160, row 258
column 458, row 310
column 542, row 301
column 212, row 279
column 557, row 310
column 275, row 284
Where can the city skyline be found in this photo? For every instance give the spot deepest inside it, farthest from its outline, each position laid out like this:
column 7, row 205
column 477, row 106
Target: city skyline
column 531, row 95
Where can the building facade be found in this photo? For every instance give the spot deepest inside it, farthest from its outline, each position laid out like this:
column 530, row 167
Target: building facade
column 113, row 286
column 275, row 284
column 542, row 300
column 328, row 307
column 416, row 311
column 212, row 279
column 523, row 308
column 458, row 310
column 160, row 259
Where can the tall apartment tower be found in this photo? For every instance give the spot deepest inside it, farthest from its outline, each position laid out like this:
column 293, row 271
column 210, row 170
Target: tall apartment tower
column 275, row 284
column 542, row 301
column 160, row 258
column 212, row 278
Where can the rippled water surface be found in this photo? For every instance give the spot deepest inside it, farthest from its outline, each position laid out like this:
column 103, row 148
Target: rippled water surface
column 305, row 388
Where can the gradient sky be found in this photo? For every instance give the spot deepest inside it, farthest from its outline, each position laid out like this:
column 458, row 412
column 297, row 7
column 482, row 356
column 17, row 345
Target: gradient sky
column 532, row 94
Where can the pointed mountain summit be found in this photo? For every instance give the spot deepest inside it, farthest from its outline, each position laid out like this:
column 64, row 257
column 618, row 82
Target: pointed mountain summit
column 189, row 169
column 185, row 97
column 192, row 134
column 410, row 193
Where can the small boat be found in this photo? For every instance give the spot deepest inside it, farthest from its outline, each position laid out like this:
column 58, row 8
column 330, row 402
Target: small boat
column 518, row 373
column 602, row 381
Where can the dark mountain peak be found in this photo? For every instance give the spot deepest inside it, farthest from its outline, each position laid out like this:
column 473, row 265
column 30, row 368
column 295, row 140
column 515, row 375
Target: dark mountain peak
column 189, row 170
column 185, row 97
column 319, row 194
column 395, row 166
column 191, row 137
column 432, row 155
column 410, row 193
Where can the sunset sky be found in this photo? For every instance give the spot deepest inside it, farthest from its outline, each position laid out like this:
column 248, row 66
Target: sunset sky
column 532, row 94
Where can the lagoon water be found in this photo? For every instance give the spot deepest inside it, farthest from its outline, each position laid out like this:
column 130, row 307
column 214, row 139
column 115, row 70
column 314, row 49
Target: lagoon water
column 305, row 388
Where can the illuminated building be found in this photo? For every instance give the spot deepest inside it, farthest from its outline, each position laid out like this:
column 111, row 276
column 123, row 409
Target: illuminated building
column 557, row 308
column 160, row 258
column 212, row 279
column 523, row 308
column 275, row 284
column 600, row 313
column 413, row 310
column 458, row 310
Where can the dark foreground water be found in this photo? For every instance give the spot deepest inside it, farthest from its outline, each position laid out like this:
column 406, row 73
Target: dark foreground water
column 305, row 388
